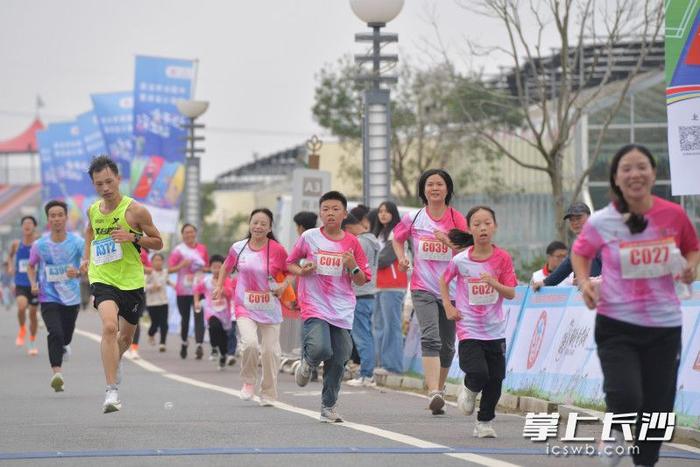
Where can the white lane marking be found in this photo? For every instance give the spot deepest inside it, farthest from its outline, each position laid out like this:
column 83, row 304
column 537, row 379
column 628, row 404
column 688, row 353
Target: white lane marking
column 684, row 447
column 390, row 435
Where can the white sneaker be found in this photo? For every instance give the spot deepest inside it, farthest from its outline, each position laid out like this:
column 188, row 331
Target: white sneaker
column 265, row 402
column 607, row 449
column 247, row 392
column 329, row 415
column 357, row 382
column 466, row 400
column 135, row 355
column 484, row 430
column 57, row 382
column 112, row 402
column 66, row 353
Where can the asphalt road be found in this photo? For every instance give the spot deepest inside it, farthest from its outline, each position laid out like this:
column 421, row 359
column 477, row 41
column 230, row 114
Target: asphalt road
column 176, row 412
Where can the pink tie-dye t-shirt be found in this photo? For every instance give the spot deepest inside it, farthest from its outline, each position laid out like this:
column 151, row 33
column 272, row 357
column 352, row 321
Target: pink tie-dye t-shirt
column 430, row 255
column 327, row 293
column 253, row 298
column 189, row 275
column 637, row 285
column 480, row 305
column 221, row 308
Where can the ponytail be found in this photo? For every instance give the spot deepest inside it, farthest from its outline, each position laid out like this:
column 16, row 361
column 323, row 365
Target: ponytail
column 460, row 238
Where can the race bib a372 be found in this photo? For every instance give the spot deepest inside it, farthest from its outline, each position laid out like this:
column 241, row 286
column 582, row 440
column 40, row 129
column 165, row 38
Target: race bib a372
column 106, row 251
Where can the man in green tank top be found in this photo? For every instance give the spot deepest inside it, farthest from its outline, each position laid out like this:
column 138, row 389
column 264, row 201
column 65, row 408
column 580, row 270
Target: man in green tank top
column 118, row 227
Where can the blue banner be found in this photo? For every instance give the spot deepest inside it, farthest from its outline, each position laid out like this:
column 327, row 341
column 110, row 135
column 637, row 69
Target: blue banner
column 90, row 134
column 49, row 180
column 159, row 156
column 71, row 163
column 115, row 115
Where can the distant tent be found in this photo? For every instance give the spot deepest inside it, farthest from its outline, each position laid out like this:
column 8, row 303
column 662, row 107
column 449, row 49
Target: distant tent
column 25, row 142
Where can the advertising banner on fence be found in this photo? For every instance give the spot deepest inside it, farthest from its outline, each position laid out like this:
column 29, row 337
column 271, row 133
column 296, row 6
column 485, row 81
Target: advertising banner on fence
column 683, row 94
column 158, row 166
column 115, row 115
column 688, row 395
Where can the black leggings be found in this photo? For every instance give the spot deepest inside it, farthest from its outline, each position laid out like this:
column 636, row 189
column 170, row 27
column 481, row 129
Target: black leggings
column 159, row 320
column 184, row 305
column 218, row 335
column 484, row 365
column 640, row 366
column 60, row 323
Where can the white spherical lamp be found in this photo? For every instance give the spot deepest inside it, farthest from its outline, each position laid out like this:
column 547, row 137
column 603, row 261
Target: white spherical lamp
column 376, row 11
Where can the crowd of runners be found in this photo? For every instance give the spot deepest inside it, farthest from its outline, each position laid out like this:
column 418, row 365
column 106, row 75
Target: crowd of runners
column 349, row 279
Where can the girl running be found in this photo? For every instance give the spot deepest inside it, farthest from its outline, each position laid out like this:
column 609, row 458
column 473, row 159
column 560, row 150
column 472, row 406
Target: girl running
column 258, row 260
column 432, row 251
column 157, row 300
column 485, row 276
column 217, row 311
column 188, row 260
column 644, row 241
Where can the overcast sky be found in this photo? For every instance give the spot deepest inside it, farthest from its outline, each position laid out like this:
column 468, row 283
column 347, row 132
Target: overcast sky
column 257, row 59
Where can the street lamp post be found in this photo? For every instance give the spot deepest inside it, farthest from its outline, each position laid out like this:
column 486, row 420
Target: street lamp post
column 376, row 121
column 192, row 209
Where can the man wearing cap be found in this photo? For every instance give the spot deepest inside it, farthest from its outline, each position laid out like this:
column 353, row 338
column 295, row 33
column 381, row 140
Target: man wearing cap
column 577, row 215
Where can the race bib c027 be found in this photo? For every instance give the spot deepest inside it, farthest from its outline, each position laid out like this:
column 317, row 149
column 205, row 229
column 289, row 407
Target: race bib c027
column 481, row 293
column 646, row 259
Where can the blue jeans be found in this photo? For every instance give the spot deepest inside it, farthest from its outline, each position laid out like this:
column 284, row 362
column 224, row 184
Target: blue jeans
column 362, row 335
column 232, row 340
column 331, row 345
column 388, row 311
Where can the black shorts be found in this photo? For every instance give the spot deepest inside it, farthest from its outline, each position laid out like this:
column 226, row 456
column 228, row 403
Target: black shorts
column 130, row 303
column 24, row 291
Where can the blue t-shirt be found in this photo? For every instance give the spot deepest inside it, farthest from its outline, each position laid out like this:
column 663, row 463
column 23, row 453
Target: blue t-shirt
column 21, row 261
column 53, row 259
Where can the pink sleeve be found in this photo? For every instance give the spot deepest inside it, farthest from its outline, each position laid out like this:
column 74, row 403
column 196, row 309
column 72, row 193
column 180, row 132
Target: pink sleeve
column 205, row 253
column 361, row 258
column 230, row 260
column 588, row 242
column 279, row 261
column 175, row 258
column 34, row 255
column 198, row 289
column 507, row 275
column 688, row 236
column 460, row 221
column 450, row 271
column 228, row 288
column 402, row 230
column 299, row 251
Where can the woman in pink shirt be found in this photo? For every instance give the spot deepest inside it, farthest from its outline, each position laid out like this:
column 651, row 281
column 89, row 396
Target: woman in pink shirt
column 646, row 243
column 257, row 260
column 485, row 276
column 189, row 260
column 427, row 230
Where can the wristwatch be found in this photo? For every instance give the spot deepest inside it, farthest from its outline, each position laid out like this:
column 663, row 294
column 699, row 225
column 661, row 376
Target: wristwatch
column 355, row 271
column 137, row 237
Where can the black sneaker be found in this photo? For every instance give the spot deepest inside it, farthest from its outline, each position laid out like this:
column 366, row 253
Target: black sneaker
column 222, row 362
column 199, row 353
column 183, row 351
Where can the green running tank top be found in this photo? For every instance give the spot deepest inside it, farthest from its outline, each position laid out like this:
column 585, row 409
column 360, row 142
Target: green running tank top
column 112, row 263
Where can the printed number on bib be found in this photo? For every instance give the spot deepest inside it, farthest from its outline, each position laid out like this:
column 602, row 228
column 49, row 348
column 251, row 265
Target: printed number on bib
column 646, row 259
column 22, row 265
column 329, row 263
column 188, row 280
column 106, row 251
column 481, row 293
column 56, row 273
column 259, row 301
column 433, row 250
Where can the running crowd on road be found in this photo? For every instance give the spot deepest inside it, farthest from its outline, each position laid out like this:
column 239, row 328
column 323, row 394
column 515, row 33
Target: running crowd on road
column 349, row 280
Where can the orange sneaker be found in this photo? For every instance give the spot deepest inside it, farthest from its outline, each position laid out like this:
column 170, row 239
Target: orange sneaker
column 19, row 342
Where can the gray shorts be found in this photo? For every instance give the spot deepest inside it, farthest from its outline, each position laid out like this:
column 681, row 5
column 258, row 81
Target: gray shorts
column 437, row 332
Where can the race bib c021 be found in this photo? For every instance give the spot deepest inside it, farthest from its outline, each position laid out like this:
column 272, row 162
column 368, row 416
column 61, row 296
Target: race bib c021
column 481, row 293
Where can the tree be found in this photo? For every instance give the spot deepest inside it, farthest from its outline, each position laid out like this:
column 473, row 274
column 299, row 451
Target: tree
column 218, row 237
column 424, row 133
column 552, row 92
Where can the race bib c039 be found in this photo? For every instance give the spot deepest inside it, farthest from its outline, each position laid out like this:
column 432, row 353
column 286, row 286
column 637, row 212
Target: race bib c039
column 432, row 249
column 106, row 251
